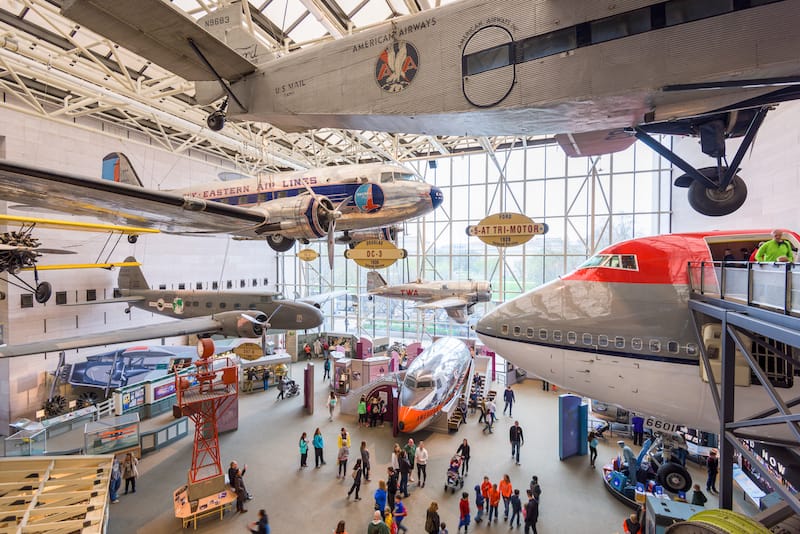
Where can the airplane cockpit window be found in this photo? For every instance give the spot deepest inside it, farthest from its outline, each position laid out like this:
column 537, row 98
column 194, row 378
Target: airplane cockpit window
column 612, row 261
column 387, row 177
column 404, row 177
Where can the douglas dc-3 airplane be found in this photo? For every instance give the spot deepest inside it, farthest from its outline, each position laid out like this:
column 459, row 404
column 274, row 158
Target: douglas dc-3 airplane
column 457, row 298
column 618, row 329
column 599, row 75
column 234, row 314
column 282, row 207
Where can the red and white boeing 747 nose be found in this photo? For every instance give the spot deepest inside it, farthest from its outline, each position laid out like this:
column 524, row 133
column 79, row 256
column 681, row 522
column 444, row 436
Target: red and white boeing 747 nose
column 618, row 329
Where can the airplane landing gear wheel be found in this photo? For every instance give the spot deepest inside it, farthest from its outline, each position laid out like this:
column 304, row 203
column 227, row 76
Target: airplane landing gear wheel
column 674, row 477
column 43, row 292
column 133, row 239
column 279, row 243
column 712, row 201
column 216, row 121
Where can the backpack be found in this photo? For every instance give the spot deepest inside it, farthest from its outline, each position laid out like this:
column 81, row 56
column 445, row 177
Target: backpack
column 429, row 524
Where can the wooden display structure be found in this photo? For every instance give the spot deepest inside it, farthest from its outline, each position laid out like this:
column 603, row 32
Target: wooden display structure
column 216, row 499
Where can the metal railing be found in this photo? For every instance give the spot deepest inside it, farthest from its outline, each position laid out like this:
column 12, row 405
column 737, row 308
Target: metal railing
column 775, row 286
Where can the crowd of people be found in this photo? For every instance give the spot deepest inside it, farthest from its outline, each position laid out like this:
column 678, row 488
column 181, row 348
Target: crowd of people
column 371, row 411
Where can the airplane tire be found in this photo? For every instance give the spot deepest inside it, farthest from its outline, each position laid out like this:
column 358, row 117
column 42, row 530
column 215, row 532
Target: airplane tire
column 713, row 202
column 674, row 477
column 216, row 121
column 132, row 238
column 279, row 243
column 43, row 292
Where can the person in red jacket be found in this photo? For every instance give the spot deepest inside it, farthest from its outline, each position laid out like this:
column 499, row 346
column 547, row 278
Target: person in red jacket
column 631, row 524
column 463, row 512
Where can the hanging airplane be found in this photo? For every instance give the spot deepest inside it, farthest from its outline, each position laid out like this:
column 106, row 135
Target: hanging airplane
column 232, row 314
column 457, row 298
column 599, row 75
column 20, row 250
column 618, row 329
column 432, row 382
column 280, row 208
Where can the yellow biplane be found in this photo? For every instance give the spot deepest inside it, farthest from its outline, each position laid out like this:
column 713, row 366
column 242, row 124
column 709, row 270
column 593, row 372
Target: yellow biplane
column 20, row 250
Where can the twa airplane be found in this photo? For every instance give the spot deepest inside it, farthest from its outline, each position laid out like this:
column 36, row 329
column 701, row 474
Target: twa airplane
column 457, row 298
column 597, row 74
column 431, row 382
column 618, row 329
column 282, row 207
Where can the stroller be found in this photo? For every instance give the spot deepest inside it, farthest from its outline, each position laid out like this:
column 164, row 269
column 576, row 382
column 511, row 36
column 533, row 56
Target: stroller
column 454, row 478
column 289, row 388
column 600, row 428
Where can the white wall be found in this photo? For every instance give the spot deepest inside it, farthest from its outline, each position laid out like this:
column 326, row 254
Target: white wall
column 771, row 170
column 170, row 260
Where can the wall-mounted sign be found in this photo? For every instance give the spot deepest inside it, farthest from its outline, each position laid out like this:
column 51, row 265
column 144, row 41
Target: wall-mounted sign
column 133, row 398
column 506, row 229
column 249, row 351
column 375, row 253
column 308, row 254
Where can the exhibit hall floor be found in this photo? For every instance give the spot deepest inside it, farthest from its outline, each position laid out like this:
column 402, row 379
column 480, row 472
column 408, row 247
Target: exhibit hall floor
column 574, row 499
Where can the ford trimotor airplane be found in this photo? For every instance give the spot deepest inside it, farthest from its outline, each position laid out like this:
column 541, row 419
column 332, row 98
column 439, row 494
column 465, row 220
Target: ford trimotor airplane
column 431, row 382
column 618, row 329
column 229, row 313
column 282, row 207
column 597, row 74
column 457, row 298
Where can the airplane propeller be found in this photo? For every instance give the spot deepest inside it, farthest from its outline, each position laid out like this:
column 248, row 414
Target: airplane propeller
column 334, row 213
column 264, row 326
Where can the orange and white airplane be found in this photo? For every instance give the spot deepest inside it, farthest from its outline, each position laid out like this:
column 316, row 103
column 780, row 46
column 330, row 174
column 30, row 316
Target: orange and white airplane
column 619, row 329
column 432, row 382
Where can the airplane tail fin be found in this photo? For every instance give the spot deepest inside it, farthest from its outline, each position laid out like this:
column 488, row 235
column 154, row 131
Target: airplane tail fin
column 117, row 168
column 374, row 280
column 131, row 277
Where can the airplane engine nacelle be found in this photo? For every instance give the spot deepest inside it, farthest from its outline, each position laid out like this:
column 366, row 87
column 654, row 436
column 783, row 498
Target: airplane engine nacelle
column 299, row 217
column 246, row 323
column 352, row 238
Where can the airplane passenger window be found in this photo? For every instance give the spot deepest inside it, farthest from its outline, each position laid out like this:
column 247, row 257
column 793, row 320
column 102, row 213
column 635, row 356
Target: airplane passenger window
column 529, row 332
column 237, row 306
column 602, row 340
column 572, row 337
column 214, row 285
column 181, row 287
column 26, row 301
column 255, row 282
column 621, row 25
column 208, row 304
column 61, row 297
column 162, row 287
column 517, row 330
column 195, row 304
column 680, row 11
column 557, row 335
column 587, row 339
column 222, row 305
column 242, row 283
column 636, row 343
column 619, row 342
column 673, row 347
column 198, row 285
column 540, row 46
column 91, row 294
column 489, row 59
column 655, row 345
column 229, row 284
column 266, row 281
column 504, row 329
column 542, row 333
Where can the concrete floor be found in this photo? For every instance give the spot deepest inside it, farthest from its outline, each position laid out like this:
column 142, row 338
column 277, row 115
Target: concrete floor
column 313, row 500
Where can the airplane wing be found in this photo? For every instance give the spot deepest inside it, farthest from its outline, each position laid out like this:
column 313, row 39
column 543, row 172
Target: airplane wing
column 156, row 30
column 66, row 266
column 76, row 225
column 179, row 327
column 449, row 302
column 122, row 203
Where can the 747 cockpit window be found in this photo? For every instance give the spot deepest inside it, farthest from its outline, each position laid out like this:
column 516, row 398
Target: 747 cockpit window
column 612, row 261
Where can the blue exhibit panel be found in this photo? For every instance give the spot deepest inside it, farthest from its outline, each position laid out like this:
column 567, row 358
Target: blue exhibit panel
column 573, row 421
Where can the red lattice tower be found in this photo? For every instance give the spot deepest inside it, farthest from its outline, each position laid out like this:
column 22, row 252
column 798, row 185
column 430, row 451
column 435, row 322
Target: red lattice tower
column 215, row 381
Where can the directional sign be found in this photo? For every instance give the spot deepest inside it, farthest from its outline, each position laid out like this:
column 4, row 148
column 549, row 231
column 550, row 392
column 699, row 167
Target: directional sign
column 375, row 253
column 506, row 229
column 308, row 254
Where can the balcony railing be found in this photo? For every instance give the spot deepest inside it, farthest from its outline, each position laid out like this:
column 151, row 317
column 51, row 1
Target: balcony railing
column 774, row 286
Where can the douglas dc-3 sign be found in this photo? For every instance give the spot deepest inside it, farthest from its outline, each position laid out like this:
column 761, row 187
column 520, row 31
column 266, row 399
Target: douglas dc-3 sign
column 506, row 229
column 598, row 75
column 375, row 253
